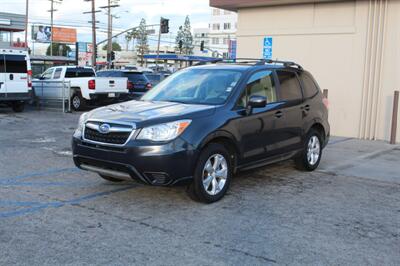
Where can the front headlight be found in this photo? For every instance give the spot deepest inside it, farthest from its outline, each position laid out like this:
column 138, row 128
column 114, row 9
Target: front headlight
column 81, row 123
column 164, row 132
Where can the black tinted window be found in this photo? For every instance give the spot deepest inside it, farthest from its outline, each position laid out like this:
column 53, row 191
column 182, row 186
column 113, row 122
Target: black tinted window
column 136, row 77
column 2, row 63
column 15, row 64
column 309, row 87
column 79, row 73
column 290, row 87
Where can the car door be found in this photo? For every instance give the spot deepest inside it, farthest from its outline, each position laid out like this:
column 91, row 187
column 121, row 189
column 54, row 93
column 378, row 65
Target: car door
column 2, row 75
column 257, row 129
column 16, row 73
column 289, row 125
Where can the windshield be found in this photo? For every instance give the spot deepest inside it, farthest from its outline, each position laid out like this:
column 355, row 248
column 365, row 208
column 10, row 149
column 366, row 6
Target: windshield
column 196, row 86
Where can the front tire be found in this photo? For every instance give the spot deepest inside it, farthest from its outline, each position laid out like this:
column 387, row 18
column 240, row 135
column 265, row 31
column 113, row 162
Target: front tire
column 18, row 106
column 111, row 179
column 311, row 154
column 212, row 174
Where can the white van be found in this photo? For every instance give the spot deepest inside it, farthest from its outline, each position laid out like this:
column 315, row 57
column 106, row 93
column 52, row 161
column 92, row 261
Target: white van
column 15, row 78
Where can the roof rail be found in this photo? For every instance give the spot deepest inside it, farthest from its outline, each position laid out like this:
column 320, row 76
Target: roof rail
column 261, row 61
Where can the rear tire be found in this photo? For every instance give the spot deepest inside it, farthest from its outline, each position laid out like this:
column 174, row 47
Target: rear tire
column 18, row 106
column 311, row 154
column 111, row 179
column 212, row 174
column 78, row 103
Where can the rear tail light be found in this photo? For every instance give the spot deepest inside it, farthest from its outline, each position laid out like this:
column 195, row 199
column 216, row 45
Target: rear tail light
column 29, row 80
column 92, row 84
column 130, row 85
column 326, row 102
column 148, row 86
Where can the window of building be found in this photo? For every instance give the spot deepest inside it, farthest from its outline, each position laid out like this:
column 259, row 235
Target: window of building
column 216, row 12
column 309, row 86
column 227, row 12
column 290, row 86
column 215, row 40
column 216, row 26
column 261, row 84
column 227, row 26
column 226, row 41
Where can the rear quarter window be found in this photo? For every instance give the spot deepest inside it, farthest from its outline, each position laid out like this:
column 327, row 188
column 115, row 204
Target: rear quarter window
column 309, row 87
column 15, row 64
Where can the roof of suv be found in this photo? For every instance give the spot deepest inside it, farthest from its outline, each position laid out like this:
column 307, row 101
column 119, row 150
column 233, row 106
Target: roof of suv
column 246, row 64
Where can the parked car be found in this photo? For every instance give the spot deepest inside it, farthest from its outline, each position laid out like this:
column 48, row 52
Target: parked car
column 85, row 86
column 15, row 78
column 138, row 83
column 205, row 123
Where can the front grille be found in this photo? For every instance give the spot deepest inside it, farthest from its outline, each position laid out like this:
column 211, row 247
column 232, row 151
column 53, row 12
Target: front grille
column 117, row 138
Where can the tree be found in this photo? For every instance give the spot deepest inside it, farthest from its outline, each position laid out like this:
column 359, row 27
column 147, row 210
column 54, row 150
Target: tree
column 115, row 47
column 185, row 35
column 131, row 36
column 59, row 49
column 142, row 46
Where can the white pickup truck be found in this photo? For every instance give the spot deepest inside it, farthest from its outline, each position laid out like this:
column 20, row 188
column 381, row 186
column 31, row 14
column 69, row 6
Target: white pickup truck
column 85, row 86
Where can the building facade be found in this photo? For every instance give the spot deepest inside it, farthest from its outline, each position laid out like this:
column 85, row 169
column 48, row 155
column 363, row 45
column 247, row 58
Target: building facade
column 201, row 35
column 351, row 47
column 9, row 24
column 222, row 29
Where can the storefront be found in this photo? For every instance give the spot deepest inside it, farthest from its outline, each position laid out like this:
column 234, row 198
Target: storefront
column 9, row 24
column 351, row 47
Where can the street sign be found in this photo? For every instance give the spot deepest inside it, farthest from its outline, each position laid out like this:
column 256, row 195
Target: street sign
column 232, row 49
column 267, row 48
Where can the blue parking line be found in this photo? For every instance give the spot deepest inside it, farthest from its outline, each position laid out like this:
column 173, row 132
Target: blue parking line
column 58, row 204
column 44, row 173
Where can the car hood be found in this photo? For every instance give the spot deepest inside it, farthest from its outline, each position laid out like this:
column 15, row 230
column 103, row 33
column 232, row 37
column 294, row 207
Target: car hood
column 145, row 112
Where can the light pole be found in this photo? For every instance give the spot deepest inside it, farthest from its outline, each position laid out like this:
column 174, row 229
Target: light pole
column 26, row 23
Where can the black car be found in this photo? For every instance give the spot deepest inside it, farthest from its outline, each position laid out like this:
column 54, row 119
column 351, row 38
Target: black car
column 138, row 83
column 204, row 123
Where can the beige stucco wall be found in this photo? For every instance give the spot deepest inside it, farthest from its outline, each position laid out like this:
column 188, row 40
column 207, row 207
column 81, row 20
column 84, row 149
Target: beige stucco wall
column 340, row 44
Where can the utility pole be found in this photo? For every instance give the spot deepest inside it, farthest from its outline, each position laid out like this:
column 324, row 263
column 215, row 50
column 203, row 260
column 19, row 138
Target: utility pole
column 52, row 10
column 94, row 46
column 158, row 44
column 26, row 23
column 111, row 4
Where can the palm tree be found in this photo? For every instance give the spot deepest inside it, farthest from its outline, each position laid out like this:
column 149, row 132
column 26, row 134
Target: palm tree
column 131, row 36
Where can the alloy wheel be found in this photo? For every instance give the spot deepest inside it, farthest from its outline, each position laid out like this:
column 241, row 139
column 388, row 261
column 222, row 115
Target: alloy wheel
column 313, row 150
column 215, row 173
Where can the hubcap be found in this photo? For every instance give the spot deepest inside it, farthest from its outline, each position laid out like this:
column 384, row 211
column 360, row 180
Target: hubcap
column 313, row 150
column 76, row 102
column 215, row 173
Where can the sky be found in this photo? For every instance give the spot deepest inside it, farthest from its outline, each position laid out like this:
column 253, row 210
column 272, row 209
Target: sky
column 70, row 13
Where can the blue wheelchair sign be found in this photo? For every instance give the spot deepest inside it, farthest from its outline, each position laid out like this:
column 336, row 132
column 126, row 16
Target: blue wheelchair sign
column 267, row 49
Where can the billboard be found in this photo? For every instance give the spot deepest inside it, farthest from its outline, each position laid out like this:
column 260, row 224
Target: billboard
column 84, row 51
column 42, row 33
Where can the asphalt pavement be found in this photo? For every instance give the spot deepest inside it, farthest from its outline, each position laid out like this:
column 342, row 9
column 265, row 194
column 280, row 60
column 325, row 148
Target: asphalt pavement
column 345, row 213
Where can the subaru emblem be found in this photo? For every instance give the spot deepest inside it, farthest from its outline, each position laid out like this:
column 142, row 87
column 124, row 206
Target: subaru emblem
column 104, row 128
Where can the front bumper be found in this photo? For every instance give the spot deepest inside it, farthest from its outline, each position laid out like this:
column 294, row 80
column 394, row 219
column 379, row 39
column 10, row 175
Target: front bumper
column 161, row 165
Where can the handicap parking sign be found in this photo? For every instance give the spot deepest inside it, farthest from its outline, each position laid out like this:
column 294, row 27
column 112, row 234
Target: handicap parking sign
column 267, row 48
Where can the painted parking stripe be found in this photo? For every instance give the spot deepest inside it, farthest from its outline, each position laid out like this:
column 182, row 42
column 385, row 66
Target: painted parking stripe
column 57, row 204
column 44, row 173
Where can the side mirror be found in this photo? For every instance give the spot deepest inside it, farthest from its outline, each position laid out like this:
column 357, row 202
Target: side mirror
column 257, row 101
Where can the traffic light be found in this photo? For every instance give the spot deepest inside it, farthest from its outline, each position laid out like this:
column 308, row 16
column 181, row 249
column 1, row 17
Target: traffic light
column 164, row 25
column 202, row 46
column 112, row 55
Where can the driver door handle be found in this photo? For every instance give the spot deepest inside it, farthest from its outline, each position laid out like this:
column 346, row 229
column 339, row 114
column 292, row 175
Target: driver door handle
column 278, row 114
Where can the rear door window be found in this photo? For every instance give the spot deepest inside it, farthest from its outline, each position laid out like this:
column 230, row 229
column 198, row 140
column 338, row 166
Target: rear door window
column 15, row 64
column 290, row 89
column 57, row 73
column 309, row 87
column 79, row 73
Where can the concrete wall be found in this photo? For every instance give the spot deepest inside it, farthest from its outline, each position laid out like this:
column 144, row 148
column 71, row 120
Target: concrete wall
column 351, row 47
